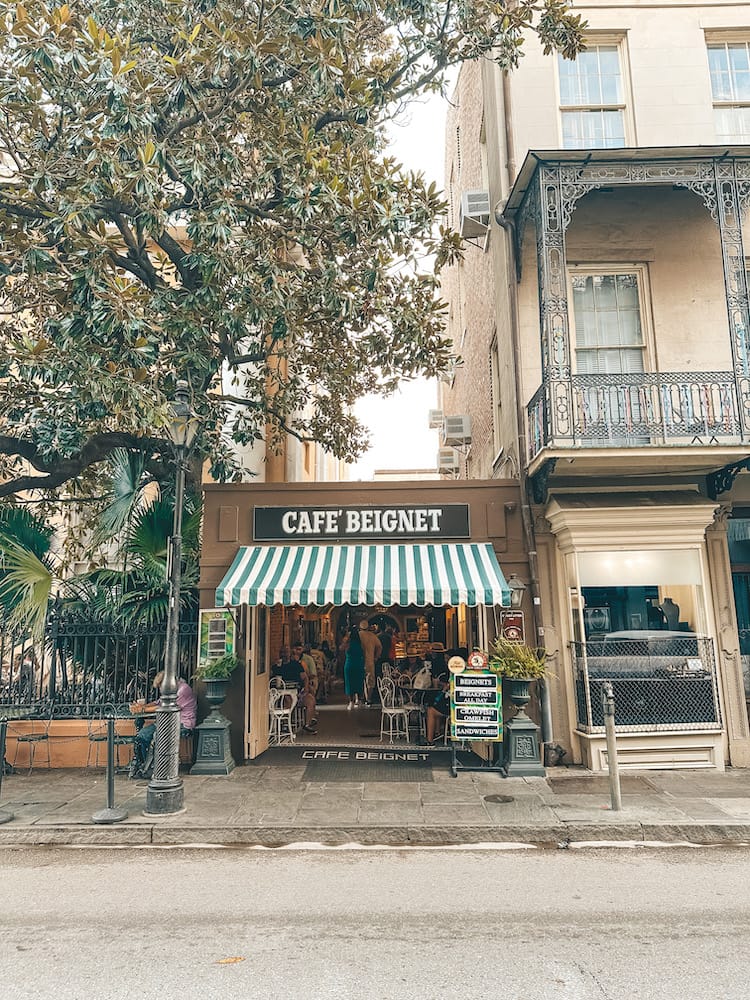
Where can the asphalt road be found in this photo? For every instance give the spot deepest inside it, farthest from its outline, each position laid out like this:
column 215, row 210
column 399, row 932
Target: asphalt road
column 383, row 925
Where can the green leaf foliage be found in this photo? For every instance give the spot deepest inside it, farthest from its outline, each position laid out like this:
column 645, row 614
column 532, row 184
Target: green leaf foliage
column 201, row 190
column 516, row 660
column 218, row 668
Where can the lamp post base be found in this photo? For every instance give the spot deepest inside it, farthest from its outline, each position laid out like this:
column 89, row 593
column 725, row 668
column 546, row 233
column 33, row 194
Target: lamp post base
column 165, row 798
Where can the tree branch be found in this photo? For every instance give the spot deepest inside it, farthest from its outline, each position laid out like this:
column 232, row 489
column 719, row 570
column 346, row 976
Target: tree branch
column 57, row 471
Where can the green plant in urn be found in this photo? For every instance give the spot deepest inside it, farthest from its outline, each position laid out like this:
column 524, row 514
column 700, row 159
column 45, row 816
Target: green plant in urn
column 215, row 674
column 520, row 664
column 516, row 660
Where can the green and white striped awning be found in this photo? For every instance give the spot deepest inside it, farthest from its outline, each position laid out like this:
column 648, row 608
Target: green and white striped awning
column 450, row 574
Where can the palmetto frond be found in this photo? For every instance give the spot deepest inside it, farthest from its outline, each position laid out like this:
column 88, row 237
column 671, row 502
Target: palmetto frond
column 25, row 587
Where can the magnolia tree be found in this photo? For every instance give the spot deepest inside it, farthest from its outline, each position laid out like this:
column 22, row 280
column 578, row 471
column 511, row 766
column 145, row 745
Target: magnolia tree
column 196, row 188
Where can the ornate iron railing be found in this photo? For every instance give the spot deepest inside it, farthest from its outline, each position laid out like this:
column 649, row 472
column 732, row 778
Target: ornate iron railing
column 80, row 665
column 638, row 409
column 658, row 684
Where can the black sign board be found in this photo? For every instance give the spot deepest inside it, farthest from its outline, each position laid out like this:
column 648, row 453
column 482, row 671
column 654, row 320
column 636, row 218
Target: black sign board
column 476, row 706
column 413, row 521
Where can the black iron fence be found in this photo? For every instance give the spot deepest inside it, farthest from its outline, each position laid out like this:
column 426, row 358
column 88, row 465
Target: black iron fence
column 635, row 409
column 657, row 683
column 80, row 665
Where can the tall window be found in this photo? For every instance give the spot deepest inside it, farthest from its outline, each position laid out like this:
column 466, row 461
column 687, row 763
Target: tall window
column 592, row 101
column 608, row 328
column 729, row 63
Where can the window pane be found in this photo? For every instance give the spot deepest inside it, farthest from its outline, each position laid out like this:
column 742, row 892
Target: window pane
column 593, row 78
column 609, row 68
column 742, row 86
column 593, row 129
column 606, row 311
column 738, row 57
column 732, row 125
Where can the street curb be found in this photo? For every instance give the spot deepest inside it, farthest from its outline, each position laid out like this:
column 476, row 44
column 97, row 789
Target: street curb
column 560, row 835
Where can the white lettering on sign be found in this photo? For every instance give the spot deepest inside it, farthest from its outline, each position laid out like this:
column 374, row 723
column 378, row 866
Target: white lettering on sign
column 352, row 521
column 327, row 521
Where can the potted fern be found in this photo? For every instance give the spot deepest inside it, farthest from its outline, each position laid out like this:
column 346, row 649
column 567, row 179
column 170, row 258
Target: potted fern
column 519, row 664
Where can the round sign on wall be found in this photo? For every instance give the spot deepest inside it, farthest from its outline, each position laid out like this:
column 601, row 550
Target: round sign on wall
column 477, row 660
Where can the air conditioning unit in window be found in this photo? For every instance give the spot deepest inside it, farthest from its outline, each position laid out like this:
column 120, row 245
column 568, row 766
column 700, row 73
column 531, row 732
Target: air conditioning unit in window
column 474, row 214
column 434, row 419
column 457, row 431
column 449, row 461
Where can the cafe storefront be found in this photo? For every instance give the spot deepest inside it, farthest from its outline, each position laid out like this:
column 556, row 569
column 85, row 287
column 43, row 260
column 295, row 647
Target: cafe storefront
column 283, row 563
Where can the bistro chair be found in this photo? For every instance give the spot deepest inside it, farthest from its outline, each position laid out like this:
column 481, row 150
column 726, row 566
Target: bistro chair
column 97, row 737
column 282, row 703
column 36, row 735
column 97, row 734
column 393, row 716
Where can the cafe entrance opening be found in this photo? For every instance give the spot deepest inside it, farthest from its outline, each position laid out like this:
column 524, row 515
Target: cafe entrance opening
column 423, row 563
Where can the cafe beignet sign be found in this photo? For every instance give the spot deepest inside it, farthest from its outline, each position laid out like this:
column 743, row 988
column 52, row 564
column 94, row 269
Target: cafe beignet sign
column 405, row 521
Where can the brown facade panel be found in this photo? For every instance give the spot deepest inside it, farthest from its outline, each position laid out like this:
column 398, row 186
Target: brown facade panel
column 228, row 524
column 494, row 516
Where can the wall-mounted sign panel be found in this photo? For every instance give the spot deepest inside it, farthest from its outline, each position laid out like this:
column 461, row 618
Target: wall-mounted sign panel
column 301, row 524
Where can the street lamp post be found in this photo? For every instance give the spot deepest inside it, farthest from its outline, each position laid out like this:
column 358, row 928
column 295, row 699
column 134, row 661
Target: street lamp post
column 165, row 793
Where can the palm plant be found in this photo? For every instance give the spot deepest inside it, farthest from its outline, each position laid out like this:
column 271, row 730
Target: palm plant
column 27, row 568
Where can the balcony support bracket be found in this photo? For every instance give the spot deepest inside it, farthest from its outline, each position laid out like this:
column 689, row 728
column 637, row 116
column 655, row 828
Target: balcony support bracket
column 540, row 480
column 722, row 480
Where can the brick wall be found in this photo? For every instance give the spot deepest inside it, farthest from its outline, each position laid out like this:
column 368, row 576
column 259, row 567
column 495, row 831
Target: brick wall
column 477, row 289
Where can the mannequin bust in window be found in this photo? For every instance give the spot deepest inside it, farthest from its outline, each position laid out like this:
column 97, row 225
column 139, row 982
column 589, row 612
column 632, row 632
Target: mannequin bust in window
column 671, row 613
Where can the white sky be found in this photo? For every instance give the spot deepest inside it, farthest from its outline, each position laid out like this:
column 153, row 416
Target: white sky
column 398, row 425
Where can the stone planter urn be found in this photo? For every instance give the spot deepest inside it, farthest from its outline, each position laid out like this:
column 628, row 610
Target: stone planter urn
column 216, row 693
column 522, row 753
column 213, row 754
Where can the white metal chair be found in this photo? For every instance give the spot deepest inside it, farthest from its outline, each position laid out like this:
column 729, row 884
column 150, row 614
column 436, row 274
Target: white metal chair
column 282, row 703
column 392, row 716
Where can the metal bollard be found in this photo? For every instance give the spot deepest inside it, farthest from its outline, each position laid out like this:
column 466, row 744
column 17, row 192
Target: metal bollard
column 111, row 814
column 608, row 705
column 5, row 816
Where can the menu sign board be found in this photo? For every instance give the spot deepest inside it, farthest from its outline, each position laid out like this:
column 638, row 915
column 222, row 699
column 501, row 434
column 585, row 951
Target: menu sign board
column 476, row 706
column 307, row 524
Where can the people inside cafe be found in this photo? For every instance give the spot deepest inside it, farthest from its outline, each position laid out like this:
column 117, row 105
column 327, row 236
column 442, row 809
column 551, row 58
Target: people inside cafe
column 290, row 669
column 438, row 711
column 411, row 664
column 311, row 666
column 321, row 667
column 354, row 667
column 371, row 649
column 187, row 703
column 436, row 656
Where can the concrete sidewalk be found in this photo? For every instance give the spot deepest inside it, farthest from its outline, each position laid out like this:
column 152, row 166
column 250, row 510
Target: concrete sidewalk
column 275, row 805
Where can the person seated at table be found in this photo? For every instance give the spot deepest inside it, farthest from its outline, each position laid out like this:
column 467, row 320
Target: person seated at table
column 411, row 665
column 436, row 714
column 187, row 703
column 292, row 672
column 437, row 658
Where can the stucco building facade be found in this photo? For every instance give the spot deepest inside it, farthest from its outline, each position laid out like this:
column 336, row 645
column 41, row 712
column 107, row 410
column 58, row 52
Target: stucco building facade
column 601, row 312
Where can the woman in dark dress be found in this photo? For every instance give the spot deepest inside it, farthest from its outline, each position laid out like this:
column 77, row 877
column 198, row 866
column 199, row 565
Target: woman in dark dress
column 354, row 669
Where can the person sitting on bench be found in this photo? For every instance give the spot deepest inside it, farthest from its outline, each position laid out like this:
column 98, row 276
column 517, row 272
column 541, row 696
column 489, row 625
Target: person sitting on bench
column 187, row 703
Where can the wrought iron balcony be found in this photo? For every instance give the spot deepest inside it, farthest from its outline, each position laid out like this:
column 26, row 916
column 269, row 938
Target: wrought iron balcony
column 635, row 410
